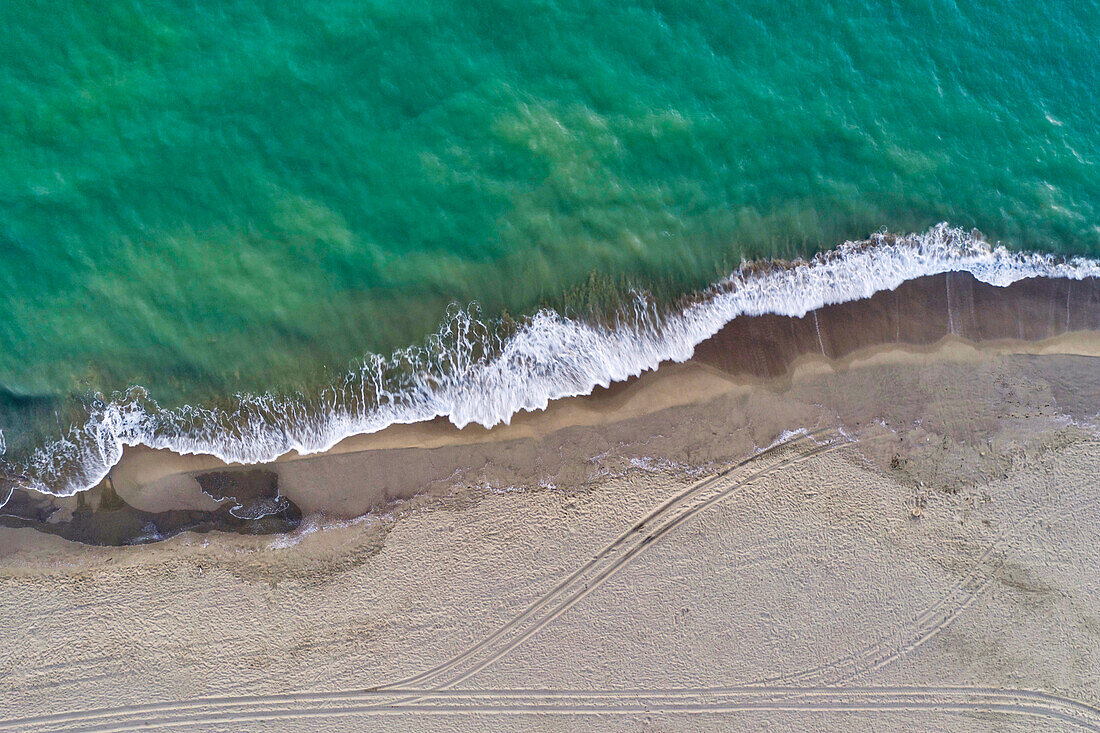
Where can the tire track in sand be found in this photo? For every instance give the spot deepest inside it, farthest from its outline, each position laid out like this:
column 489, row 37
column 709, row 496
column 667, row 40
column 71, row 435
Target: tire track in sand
column 614, row 558
column 444, row 700
column 609, row 560
column 685, row 701
column 931, row 621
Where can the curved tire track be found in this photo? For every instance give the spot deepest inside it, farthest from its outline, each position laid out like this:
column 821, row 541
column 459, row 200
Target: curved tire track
column 402, row 698
column 551, row 605
column 610, row 560
column 932, row 620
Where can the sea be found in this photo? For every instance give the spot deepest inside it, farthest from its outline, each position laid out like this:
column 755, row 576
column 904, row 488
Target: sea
column 243, row 228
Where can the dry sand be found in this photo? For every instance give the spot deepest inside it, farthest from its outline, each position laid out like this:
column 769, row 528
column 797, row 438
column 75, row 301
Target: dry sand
column 924, row 559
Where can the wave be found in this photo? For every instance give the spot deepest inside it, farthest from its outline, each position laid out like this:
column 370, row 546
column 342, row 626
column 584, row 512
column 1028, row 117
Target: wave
column 472, row 373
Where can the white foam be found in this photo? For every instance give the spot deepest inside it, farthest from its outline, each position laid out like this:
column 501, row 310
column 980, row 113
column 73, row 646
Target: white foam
column 549, row 357
column 315, row 523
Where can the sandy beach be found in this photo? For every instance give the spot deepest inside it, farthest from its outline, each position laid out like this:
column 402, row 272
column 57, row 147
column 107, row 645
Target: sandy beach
column 881, row 517
column 645, row 367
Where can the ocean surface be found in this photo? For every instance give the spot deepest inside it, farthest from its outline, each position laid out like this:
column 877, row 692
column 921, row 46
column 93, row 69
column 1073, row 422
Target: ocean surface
column 245, row 227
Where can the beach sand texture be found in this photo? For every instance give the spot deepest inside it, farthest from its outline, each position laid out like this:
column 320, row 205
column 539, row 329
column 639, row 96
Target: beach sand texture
column 549, row 366
column 922, row 556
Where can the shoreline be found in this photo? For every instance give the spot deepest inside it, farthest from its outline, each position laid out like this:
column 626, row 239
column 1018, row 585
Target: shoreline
column 939, row 320
column 946, row 538
column 485, row 373
column 933, row 530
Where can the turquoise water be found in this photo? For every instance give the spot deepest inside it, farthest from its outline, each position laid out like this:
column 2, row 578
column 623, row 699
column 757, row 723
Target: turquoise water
column 207, row 198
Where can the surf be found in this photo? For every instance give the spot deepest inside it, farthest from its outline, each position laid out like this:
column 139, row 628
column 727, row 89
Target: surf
column 476, row 371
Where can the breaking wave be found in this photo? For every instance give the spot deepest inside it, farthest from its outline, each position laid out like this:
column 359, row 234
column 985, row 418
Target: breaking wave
column 474, row 372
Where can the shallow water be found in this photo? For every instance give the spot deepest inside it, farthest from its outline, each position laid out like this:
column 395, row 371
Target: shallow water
column 210, row 198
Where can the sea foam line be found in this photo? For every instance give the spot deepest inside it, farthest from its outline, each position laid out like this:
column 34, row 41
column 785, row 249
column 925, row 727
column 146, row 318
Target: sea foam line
column 549, row 357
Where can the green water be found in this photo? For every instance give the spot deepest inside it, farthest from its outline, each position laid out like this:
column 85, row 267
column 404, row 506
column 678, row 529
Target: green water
column 211, row 196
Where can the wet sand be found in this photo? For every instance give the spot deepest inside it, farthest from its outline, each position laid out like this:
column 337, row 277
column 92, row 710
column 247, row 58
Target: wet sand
column 156, row 493
column 922, row 557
